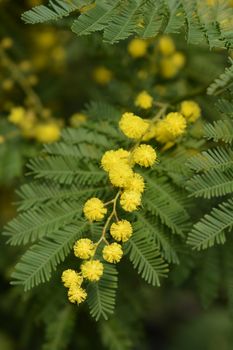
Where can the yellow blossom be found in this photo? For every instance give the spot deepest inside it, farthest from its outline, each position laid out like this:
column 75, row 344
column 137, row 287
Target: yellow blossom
column 175, row 123
column 133, row 126
column 136, row 183
column 144, row 100
column 84, row 248
column 6, row 43
column 47, row 132
column 137, row 48
column 120, row 175
column 144, row 155
column 17, row 115
column 121, row 230
column 94, row 209
column 113, row 253
column 166, row 45
column 70, row 278
column 161, row 132
column 77, row 119
column 190, row 110
column 7, row 84
column 102, row 75
column 130, row 200
column 171, row 65
column 112, row 158
column 2, row 139
column 77, row 294
column 92, row 270
column 45, row 39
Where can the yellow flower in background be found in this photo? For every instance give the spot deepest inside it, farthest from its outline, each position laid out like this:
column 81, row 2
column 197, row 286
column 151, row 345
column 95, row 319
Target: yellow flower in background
column 92, row 270
column 144, row 100
column 77, row 295
column 2, row 139
column 137, row 48
column 121, row 230
column 45, row 39
column 77, row 119
column 47, row 132
column 102, row 75
column 144, row 155
column 71, row 277
column 166, row 45
column 171, row 65
column 94, row 209
column 84, row 248
column 133, row 126
column 17, row 115
column 190, row 110
column 130, row 200
column 112, row 253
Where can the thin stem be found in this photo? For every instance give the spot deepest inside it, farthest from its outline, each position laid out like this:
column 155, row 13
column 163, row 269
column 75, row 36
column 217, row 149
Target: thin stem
column 22, row 81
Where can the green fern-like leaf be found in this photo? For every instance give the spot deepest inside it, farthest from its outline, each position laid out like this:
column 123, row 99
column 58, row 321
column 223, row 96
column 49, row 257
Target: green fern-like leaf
column 220, row 130
column 162, row 200
column 35, row 224
column 219, row 158
column 55, row 10
column 146, row 259
column 223, row 82
column 212, row 227
column 94, row 20
column 102, row 295
column 213, row 183
column 37, row 264
column 124, row 23
column 209, row 277
column 148, row 224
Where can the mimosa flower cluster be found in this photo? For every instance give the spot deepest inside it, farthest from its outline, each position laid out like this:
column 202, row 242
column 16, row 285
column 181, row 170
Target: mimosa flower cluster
column 119, row 165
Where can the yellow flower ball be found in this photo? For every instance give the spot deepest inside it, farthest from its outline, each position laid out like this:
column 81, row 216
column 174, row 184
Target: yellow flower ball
column 17, row 115
column 136, row 183
column 92, row 270
column 77, row 119
column 175, row 123
column 77, row 295
column 144, row 100
column 121, row 230
column 161, row 132
column 120, row 175
column 94, row 209
column 84, row 248
column 112, row 253
column 166, row 45
column 137, row 48
column 130, row 200
column 190, row 110
column 144, row 155
column 47, row 133
column 70, row 278
column 102, row 75
column 133, row 126
column 113, row 158
column 171, row 65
